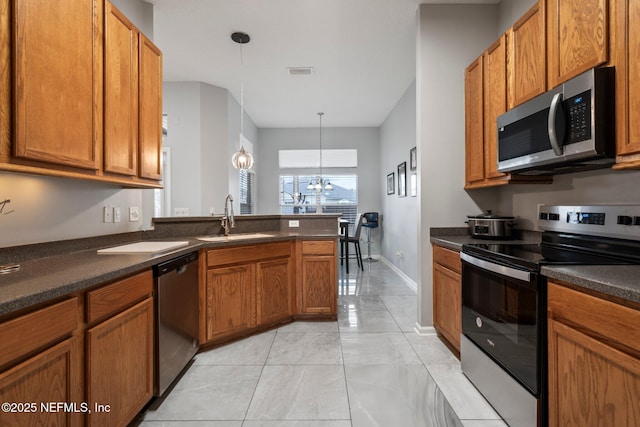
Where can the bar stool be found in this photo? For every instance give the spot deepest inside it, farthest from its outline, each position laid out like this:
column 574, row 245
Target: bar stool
column 345, row 239
column 370, row 221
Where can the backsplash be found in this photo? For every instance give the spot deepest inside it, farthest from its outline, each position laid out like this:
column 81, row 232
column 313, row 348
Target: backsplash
column 585, row 188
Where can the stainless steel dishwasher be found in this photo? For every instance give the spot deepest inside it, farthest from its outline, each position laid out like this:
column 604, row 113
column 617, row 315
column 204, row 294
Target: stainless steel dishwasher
column 176, row 342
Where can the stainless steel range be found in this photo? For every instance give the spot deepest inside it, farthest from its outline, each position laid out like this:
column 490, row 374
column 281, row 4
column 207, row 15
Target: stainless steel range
column 504, row 340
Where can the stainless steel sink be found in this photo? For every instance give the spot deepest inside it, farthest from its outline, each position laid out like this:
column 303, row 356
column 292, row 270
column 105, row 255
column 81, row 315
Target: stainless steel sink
column 233, row 237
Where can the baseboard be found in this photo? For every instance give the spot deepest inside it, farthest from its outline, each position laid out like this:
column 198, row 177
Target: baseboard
column 424, row 331
column 413, row 285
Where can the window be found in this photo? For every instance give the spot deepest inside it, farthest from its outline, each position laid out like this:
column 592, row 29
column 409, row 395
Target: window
column 296, row 198
column 247, row 185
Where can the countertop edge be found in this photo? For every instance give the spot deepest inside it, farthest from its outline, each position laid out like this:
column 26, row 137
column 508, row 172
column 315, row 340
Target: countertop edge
column 38, row 286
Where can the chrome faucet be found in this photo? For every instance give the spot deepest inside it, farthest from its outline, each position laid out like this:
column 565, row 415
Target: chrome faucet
column 228, row 222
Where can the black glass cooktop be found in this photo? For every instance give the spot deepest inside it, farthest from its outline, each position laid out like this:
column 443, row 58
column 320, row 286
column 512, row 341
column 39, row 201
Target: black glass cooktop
column 558, row 249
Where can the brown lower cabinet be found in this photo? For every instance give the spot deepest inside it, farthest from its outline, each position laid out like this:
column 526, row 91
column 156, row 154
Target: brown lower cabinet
column 447, row 294
column 40, row 362
column 248, row 288
column 90, row 352
column 120, row 366
column 594, row 360
column 318, row 284
column 229, row 300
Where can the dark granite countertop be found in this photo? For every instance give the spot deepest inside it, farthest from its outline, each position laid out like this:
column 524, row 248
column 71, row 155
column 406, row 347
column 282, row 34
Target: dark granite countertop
column 619, row 281
column 454, row 238
column 49, row 277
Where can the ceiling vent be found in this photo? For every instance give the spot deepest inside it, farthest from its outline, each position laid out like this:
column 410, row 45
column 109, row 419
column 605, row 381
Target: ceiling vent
column 300, row 71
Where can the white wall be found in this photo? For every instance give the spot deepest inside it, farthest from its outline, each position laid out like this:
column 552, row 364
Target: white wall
column 450, row 37
column 250, row 131
column 139, row 12
column 509, row 11
column 365, row 140
column 203, row 129
column 400, row 214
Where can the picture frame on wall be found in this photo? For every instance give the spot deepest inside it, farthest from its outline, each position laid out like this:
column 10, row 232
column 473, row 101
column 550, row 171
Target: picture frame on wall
column 391, row 183
column 402, row 179
column 413, row 185
column 413, row 158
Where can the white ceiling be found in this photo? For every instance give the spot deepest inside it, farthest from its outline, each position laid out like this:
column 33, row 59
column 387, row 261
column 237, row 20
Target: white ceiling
column 362, row 52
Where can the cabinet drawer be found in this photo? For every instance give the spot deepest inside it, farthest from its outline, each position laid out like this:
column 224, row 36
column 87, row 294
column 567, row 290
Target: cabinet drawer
column 447, row 258
column 110, row 299
column 26, row 333
column 593, row 315
column 245, row 254
column 318, row 247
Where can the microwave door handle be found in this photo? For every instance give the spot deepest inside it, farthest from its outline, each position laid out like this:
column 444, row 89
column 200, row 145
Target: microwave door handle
column 556, row 131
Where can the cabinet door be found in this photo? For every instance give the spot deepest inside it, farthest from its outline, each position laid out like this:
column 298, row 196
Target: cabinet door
column 318, row 290
column 120, row 94
column 590, row 383
column 474, row 123
column 58, row 81
column 447, row 304
column 229, row 300
column 495, row 102
column 150, row 124
column 527, row 66
column 51, row 376
column 274, row 297
column 628, row 78
column 578, row 37
column 120, row 365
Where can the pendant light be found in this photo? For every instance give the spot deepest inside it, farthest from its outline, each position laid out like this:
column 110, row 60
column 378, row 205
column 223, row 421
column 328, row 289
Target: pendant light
column 241, row 159
column 320, row 184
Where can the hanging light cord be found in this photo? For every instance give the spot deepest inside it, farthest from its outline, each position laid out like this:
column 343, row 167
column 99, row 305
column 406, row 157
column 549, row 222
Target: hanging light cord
column 321, row 176
column 241, row 93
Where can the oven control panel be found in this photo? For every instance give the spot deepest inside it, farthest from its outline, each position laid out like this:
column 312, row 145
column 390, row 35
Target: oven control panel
column 619, row 221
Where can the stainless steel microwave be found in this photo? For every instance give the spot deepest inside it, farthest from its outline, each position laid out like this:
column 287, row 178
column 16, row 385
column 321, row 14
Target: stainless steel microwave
column 570, row 128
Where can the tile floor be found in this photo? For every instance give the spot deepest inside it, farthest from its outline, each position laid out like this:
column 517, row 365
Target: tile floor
column 368, row 369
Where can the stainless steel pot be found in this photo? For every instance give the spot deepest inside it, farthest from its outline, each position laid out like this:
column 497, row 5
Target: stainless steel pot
column 490, row 226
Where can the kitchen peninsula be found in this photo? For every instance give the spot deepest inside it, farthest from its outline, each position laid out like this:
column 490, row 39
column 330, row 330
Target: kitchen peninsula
column 67, row 311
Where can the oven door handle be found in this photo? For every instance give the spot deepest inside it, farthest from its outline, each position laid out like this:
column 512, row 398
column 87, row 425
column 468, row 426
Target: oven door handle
column 513, row 273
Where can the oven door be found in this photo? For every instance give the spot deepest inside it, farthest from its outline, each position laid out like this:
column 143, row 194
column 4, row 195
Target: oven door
column 502, row 309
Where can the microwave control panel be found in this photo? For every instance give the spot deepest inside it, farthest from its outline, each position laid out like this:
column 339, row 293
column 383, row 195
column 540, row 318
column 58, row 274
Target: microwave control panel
column 578, row 110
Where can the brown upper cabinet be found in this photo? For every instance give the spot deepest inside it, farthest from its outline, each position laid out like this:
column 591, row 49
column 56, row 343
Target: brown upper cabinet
column 150, row 136
column 76, row 92
column 495, row 102
column 133, row 99
column 578, row 37
column 57, row 86
column 485, row 100
column 474, row 123
column 120, row 93
column 627, row 52
column 526, row 56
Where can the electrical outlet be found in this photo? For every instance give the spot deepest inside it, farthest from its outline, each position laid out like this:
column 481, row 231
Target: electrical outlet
column 134, row 214
column 294, row 223
column 107, row 214
column 181, row 211
column 116, row 214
